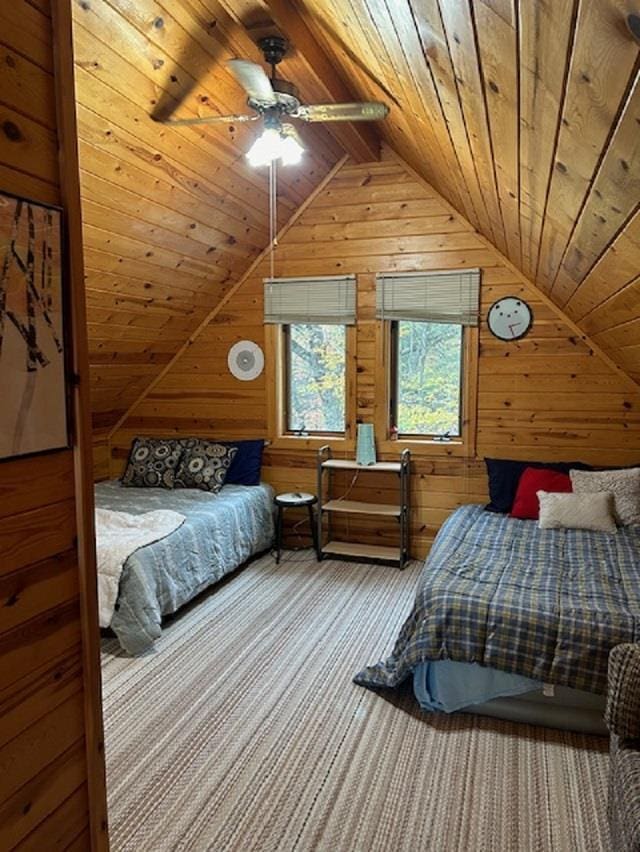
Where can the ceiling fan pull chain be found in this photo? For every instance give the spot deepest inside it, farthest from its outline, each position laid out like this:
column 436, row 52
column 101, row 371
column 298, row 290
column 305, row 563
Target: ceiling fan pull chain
column 273, row 185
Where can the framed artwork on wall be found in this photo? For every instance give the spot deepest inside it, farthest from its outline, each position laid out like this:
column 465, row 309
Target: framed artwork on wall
column 33, row 396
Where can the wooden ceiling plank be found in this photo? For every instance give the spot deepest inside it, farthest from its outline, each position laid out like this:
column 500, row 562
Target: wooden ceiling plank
column 167, row 148
column 118, row 221
column 546, row 31
column 602, row 65
column 193, row 78
column 409, row 60
column 126, row 286
column 108, row 261
column 614, row 270
column 615, row 310
column 458, row 25
column 413, row 132
column 127, row 247
column 29, row 32
column 612, row 202
column 122, row 90
column 420, row 72
column 419, row 99
column 163, row 202
column 197, row 21
column 300, row 66
column 436, row 51
column 348, row 43
column 26, row 88
column 99, row 140
column 498, row 47
column 360, row 141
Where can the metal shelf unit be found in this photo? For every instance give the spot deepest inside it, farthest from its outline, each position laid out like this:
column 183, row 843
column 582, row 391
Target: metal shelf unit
column 400, row 511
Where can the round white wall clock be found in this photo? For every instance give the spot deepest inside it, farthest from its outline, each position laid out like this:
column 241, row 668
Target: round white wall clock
column 245, row 360
column 509, row 318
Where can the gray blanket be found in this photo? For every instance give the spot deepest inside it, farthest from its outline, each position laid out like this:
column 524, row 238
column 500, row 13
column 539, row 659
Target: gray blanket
column 220, row 532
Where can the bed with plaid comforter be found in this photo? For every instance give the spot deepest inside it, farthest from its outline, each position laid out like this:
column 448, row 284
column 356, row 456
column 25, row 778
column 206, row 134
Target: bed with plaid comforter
column 546, row 604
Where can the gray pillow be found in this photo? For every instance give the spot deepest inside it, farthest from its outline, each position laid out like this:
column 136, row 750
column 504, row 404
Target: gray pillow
column 204, row 465
column 152, row 463
column 623, row 484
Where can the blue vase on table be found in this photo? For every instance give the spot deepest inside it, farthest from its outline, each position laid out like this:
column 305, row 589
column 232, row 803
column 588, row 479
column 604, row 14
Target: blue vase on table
column 365, row 449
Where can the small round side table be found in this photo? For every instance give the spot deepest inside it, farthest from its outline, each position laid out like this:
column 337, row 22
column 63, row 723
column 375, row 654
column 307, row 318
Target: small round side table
column 294, row 500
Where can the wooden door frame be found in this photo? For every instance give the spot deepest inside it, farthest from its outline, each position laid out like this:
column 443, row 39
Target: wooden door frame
column 81, row 419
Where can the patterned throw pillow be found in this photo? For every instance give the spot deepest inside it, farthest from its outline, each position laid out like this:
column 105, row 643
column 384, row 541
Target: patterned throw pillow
column 623, row 483
column 204, row 465
column 152, row 463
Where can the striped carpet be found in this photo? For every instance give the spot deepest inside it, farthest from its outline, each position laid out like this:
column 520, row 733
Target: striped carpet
column 244, row 732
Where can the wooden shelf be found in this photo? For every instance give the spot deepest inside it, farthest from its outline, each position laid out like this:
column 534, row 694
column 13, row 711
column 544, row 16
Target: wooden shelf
column 347, row 464
column 356, row 507
column 361, row 551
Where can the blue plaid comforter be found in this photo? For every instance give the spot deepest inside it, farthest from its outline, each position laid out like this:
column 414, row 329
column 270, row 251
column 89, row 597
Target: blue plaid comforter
column 547, row 604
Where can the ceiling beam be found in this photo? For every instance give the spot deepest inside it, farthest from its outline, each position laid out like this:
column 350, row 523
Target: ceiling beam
column 310, row 69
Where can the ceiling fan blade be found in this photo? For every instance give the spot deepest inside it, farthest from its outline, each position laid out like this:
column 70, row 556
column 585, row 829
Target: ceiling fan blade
column 208, row 119
column 364, row 111
column 253, row 80
column 290, row 130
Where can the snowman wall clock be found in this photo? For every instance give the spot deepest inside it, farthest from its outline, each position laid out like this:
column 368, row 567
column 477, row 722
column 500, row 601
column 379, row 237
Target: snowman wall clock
column 509, row 318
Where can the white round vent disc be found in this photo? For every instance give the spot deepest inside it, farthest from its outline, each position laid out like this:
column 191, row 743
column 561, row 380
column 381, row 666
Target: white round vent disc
column 245, row 360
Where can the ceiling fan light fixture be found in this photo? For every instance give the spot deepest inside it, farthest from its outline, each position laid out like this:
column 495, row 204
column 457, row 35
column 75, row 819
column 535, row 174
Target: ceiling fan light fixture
column 274, row 145
column 265, row 148
column 291, row 150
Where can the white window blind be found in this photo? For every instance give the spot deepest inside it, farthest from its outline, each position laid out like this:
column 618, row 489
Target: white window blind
column 330, row 300
column 447, row 296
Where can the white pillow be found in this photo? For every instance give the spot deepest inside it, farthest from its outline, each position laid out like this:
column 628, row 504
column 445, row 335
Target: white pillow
column 623, row 484
column 577, row 511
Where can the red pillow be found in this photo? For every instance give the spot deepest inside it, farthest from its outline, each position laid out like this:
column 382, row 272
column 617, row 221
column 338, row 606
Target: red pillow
column 526, row 505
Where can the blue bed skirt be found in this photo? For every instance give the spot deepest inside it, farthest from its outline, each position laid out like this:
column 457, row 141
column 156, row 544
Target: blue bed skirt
column 448, row 686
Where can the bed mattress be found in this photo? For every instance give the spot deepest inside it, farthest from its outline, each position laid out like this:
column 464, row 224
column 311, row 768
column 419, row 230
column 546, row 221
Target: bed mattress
column 544, row 604
column 221, row 531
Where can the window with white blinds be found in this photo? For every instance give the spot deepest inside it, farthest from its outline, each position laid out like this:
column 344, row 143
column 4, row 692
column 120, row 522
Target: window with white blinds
column 450, row 296
column 323, row 300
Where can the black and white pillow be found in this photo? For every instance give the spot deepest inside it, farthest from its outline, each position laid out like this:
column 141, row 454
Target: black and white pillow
column 204, row 465
column 152, row 463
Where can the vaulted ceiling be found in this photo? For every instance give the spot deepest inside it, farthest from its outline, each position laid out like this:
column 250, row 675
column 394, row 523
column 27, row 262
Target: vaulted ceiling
column 525, row 115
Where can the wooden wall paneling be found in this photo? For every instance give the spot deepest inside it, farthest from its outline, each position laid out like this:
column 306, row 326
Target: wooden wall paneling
column 63, row 55
column 212, row 315
column 548, row 396
column 50, row 713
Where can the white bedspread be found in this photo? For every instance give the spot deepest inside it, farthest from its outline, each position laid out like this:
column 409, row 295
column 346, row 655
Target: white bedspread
column 118, row 535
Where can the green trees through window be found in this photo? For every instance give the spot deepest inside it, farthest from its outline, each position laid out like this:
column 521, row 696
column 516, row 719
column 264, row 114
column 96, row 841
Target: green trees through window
column 428, row 365
column 316, row 375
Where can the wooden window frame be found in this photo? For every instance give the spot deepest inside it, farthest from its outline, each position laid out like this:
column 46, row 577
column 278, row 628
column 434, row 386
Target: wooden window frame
column 465, row 444
column 276, row 377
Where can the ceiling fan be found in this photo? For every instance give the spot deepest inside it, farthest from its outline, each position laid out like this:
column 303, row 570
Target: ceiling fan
column 273, row 99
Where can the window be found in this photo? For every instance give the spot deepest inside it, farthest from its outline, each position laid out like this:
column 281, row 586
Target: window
column 315, row 378
column 426, row 378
